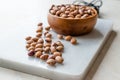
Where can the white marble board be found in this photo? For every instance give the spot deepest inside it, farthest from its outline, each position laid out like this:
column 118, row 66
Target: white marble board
column 77, row 58
column 23, row 22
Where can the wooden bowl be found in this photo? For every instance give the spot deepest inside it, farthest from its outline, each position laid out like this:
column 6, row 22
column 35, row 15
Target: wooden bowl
column 72, row 26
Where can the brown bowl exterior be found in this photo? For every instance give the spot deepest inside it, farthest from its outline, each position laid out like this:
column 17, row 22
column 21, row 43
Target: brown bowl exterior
column 74, row 27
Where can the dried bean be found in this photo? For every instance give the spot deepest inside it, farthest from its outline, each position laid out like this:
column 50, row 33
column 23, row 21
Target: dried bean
column 51, row 62
column 59, row 48
column 59, row 59
column 27, row 46
column 53, row 49
column 40, row 40
column 39, row 34
column 45, row 33
column 33, row 44
column 29, row 41
column 63, row 9
column 48, row 35
column 38, row 54
column 47, row 28
column 68, row 38
column 35, row 39
column 31, row 53
column 51, row 57
column 64, row 16
column 38, row 30
column 58, row 13
column 40, row 24
column 31, row 48
column 44, row 56
column 52, row 12
column 38, row 49
column 60, row 36
column 48, row 39
column 84, row 16
column 73, row 41
column 39, row 46
column 57, row 54
column 47, row 45
column 59, row 43
column 46, row 49
column 28, row 38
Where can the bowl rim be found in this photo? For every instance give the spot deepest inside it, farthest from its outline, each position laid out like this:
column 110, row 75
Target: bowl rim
column 75, row 18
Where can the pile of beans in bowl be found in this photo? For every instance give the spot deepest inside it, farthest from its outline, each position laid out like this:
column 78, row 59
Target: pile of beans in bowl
column 72, row 11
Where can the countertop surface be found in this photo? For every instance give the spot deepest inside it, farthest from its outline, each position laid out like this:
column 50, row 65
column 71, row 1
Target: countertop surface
column 106, row 67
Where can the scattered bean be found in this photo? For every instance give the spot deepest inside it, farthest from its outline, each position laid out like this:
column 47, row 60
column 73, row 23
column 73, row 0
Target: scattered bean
column 38, row 54
column 48, row 35
column 45, row 33
column 54, row 44
column 59, row 48
column 33, row 44
column 51, row 57
column 59, row 59
column 57, row 54
column 35, row 39
column 38, row 49
column 39, row 46
column 47, row 45
column 31, row 53
column 28, row 38
column 31, row 48
column 73, row 41
column 51, row 62
column 47, row 28
column 68, row 38
column 52, row 49
column 29, row 41
column 40, row 27
column 39, row 34
column 48, row 39
column 60, row 36
column 27, row 46
column 46, row 49
column 38, row 30
column 40, row 24
column 44, row 56
column 40, row 40
column 59, row 43
column 36, row 46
